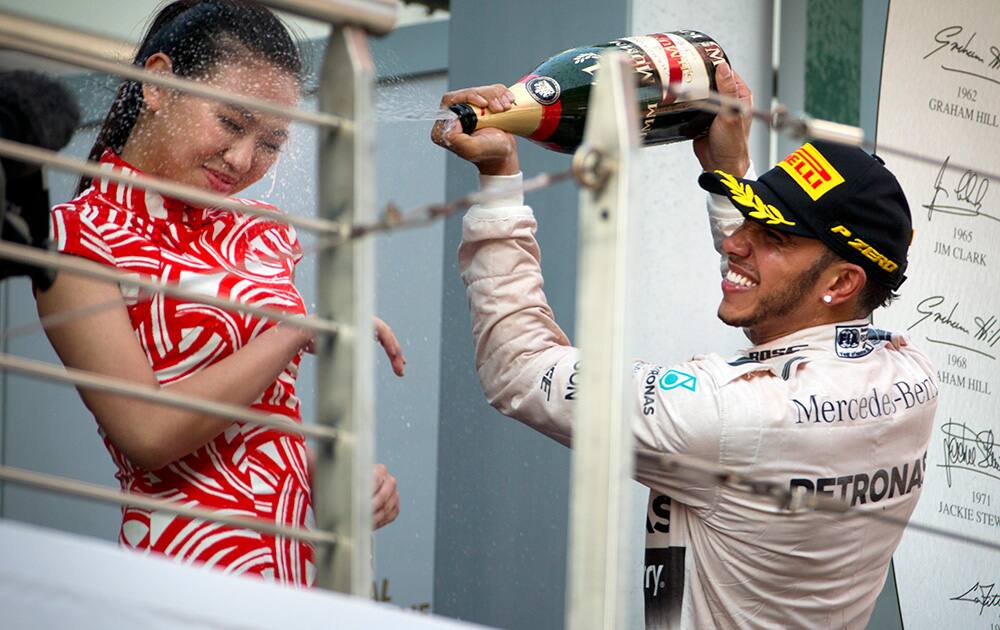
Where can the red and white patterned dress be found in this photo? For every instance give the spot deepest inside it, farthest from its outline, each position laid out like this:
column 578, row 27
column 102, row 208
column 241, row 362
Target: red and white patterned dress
column 247, row 470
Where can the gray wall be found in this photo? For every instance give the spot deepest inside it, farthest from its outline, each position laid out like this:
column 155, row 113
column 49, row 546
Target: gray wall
column 502, row 489
column 408, row 281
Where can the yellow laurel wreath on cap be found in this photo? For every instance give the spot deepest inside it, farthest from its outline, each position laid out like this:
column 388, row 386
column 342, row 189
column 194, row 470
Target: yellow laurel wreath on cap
column 744, row 195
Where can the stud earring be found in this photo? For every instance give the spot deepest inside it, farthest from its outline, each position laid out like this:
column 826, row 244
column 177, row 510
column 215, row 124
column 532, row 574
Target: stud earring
column 827, row 299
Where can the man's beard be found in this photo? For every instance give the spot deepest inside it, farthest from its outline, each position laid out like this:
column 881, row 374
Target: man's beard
column 783, row 302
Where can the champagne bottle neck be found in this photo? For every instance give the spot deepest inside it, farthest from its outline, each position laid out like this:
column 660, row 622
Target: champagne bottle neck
column 525, row 118
column 466, row 116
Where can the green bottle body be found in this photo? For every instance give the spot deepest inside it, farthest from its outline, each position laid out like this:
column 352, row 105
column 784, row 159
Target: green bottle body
column 551, row 101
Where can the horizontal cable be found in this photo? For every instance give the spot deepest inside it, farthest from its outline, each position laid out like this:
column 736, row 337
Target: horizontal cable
column 377, row 16
column 190, row 194
column 50, row 48
column 792, row 501
column 75, row 488
column 83, row 267
column 131, row 389
column 52, row 320
column 779, row 118
column 75, row 39
column 392, row 219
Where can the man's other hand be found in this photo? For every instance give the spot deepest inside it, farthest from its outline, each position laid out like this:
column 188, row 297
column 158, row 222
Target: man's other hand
column 726, row 148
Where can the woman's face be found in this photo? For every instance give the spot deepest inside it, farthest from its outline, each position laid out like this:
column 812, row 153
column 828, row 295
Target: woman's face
column 207, row 144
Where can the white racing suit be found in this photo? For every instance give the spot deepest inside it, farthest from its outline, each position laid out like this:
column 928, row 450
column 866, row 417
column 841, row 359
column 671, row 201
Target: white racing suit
column 833, row 409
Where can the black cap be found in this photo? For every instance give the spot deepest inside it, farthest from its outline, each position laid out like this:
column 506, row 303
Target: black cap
column 466, row 116
column 835, row 193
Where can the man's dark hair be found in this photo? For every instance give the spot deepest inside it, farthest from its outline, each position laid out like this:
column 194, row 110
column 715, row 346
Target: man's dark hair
column 872, row 295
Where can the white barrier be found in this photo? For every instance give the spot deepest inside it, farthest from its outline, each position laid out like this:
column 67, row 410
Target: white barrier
column 51, row 579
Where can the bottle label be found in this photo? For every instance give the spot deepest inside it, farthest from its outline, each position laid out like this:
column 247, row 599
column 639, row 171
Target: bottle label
column 649, row 61
column 545, row 90
column 677, row 63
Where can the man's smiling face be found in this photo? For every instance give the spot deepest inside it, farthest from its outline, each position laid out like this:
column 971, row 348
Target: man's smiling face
column 770, row 280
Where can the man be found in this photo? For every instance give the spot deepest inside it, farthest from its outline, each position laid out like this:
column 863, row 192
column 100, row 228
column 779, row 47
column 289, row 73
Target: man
column 42, row 112
column 820, row 401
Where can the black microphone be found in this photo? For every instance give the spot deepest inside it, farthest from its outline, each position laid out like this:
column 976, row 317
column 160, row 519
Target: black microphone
column 39, row 111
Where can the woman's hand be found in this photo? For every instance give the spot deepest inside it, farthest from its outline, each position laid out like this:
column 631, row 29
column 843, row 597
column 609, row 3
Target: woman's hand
column 387, row 338
column 385, row 494
column 726, row 147
column 383, row 334
column 494, row 152
column 385, row 498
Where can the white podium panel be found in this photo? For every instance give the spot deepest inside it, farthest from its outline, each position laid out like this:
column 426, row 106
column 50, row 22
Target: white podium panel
column 50, row 579
column 940, row 97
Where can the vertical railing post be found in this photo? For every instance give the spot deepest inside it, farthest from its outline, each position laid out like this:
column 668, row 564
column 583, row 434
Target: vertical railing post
column 343, row 472
column 4, row 297
column 602, row 438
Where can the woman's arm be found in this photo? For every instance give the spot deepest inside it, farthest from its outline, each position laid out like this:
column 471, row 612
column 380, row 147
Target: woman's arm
column 152, row 435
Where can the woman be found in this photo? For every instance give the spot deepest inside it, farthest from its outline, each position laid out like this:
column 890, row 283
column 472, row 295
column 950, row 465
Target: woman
column 186, row 347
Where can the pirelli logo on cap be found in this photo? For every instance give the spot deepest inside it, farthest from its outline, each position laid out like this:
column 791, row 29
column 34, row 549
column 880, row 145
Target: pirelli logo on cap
column 811, row 171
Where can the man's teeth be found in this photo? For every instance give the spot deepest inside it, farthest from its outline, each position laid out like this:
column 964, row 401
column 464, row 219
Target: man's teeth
column 736, row 278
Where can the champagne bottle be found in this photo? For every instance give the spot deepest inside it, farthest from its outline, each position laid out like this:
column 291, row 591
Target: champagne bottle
column 551, row 102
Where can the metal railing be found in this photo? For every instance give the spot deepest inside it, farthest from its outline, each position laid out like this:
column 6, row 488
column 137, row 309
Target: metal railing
column 375, row 16
column 344, row 364
column 41, row 43
column 602, row 437
column 343, row 431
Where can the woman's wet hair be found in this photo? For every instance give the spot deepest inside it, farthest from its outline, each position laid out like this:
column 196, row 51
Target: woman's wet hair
column 197, row 35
